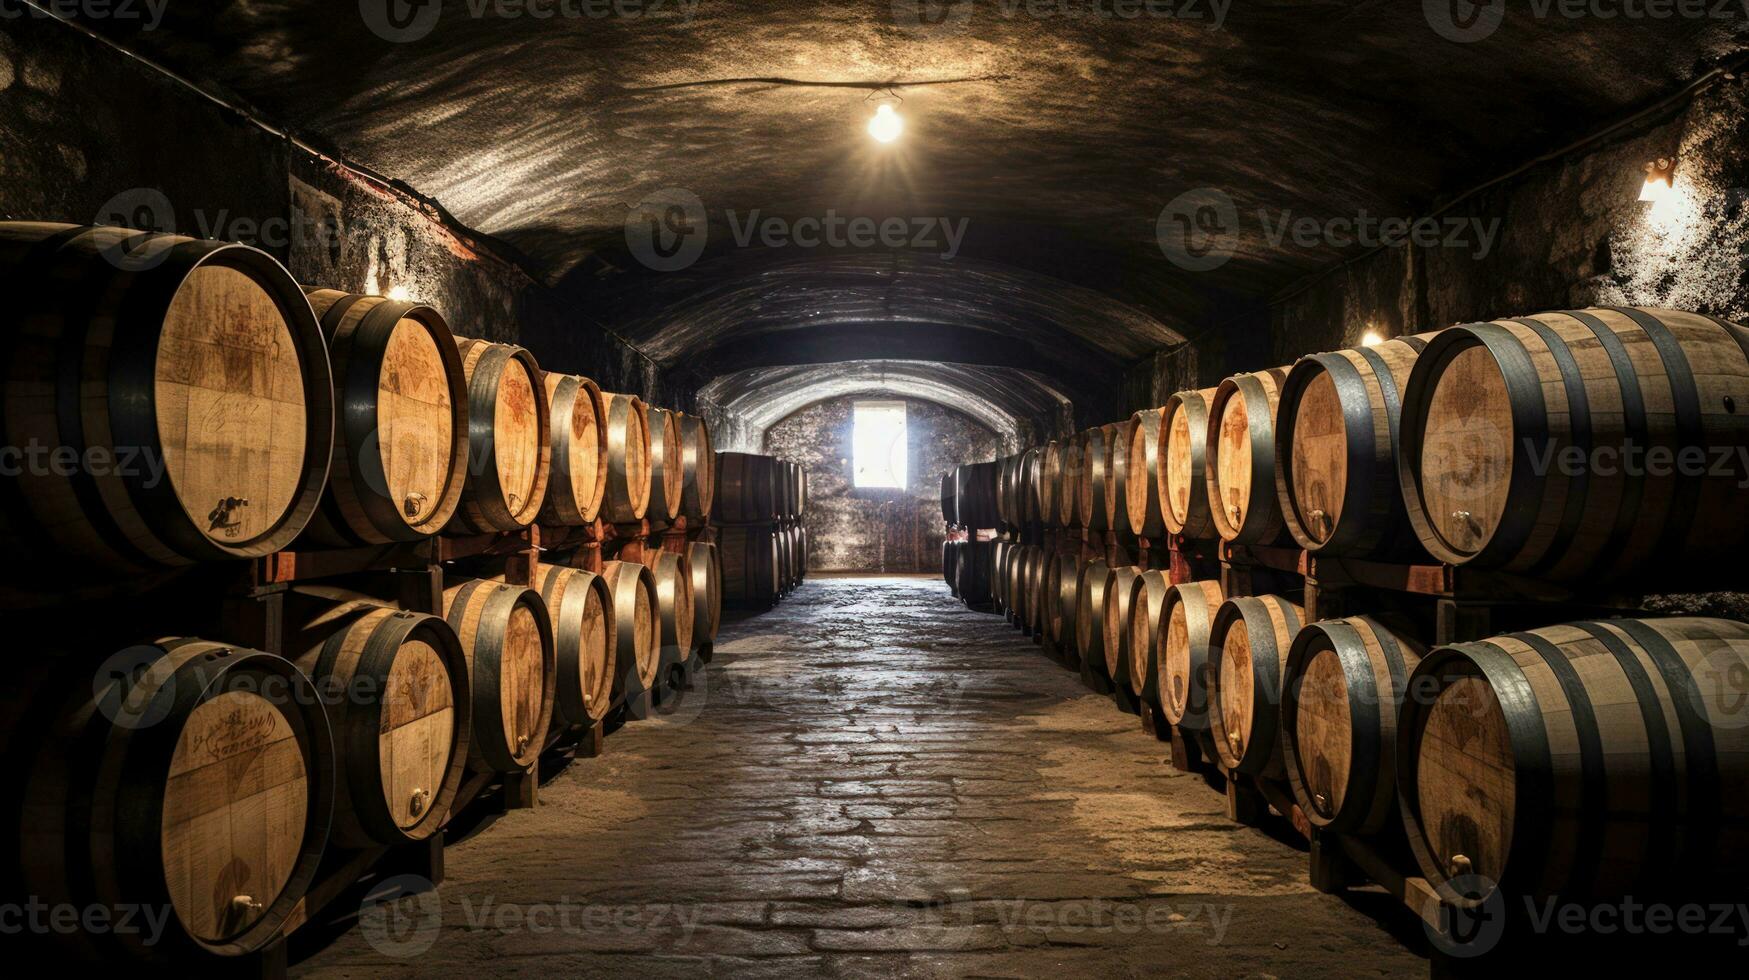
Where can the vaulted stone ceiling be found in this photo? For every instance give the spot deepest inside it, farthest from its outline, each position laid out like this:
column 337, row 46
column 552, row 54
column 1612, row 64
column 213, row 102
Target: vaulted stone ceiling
column 1051, row 144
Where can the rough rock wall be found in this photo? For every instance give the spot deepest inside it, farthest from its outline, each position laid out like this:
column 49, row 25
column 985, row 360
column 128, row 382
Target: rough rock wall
column 852, row 529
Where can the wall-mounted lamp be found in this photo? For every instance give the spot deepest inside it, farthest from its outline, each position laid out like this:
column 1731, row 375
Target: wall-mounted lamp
column 1660, row 180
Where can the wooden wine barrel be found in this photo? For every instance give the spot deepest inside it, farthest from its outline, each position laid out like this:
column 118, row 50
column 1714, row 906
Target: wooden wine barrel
column 976, row 572
column 1117, row 477
column 698, row 469
column 1147, row 601
column 1142, row 474
column 1018, row 599
column 637, row 657
column 509, row 457
column 629, row 476
column 185, row 777
column 949, row 509
column 666, row 474
column 1336, row 431
column 1184, row 650
column 577, row 445
column 999, row 575
column 1089, row 639
column 1241, row 458
column 1250, row 639
column 1183, row 464
column 1063, row 597
column 396, row 688
column 1090, row 492
column 975, row 493
column 1115, row 622
column 746, row 489
column 802, row 539
column 750, row 565
column 1591, row 760
column 584, row 639
column 401, row 436
column 1032, row 584
column 512, row 666
column 786, row 561
column 1050, row 483
column 193, row 381
column 1341, row 692
column 675, row 603
column 1593, row 444
column 707, row 592
column 950, row 565
column 1031, row 471
column 1074, row 462
column 1004, row 489
column 801, row 492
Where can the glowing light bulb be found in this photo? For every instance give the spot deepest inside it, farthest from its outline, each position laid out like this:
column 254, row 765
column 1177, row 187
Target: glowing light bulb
column 1660, row 181
column 1371, row 339
column 886, row 125
column 400, row 294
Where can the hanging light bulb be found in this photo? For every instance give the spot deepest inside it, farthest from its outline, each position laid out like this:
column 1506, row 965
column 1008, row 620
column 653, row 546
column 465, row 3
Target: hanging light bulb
column 1660, row 181
column 400, row 294
column 1372, row 338
column 886, row 125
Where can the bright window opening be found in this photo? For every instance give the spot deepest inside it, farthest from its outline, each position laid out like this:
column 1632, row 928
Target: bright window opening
column 879, row 444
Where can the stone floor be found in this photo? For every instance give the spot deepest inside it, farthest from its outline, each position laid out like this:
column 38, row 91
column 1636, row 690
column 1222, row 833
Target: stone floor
column 875, row 781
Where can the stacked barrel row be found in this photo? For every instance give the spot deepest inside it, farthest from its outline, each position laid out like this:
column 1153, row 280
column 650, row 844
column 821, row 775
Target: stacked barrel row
column 760, row 503
column 968, row 551
column 1585, row 760
column 193, row 405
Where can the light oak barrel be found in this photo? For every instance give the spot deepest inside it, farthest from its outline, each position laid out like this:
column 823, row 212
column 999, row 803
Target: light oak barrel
column 1091, row 494
column 1241, row 458
column 707, row 591
column 1089, row 633
column 1341, row 691
column 577, row 441
column 1249, row 643
column 1117, row 478
column 1063, row 597
column 580, row 606
column 1141, row 485
column 507, row 637
column 1182, row 469
column 395, row 685
column 1554, row 446
column 185, row 775
column 667, row 469
column 189, row 380
column 1336, row 437
column 1184, row 651
column 1074, row 464
column 401, row 439
column 1147, row 600
column 1587, row 761
column 637, row 626
column 746, row 489
column 698, row 468
column 674, row 607
column 1050, row 483
column 509, row 457
column 629, row 473
column 750, row 565
column 1115, row 621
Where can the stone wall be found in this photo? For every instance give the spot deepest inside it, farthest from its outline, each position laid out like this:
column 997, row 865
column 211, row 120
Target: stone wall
column 865, row 530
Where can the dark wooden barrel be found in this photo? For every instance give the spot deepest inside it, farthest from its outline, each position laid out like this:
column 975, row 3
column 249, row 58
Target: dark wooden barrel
column 1182, row 467
column 628, row 460
column 698, row 469
column 584, row 638
column 977, row 569
column 509, row 457
column 1037, row 613
column 1249, row 641
column 1002, row 550
column 1184, row 651
column 1584, row 761
column 1117, row 478
column 1089, row 633
column 950, row 565
column 637, row 626
column 1336, row 435
column 949, row 510
column 1592, row 444
column 1050, row 483
column 401, row 434
column 577, row 440
column 1147, row 600
column 707, row 592
column 1074, row 468
column 1241, row 458
column 183, row 776
column 508, row 638
column 746, row 489
column 1031, row 472
column 395, row 685
column 1115, row 623
column 674, row 606
column 1341, row 691
column 1141, row 485
column 1091, row 493
column 975, row 494
column 1063, row 598
column 750, row 565
column 193, row 381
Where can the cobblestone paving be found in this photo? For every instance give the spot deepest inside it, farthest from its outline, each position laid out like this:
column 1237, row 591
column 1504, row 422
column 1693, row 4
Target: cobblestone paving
column 875, row 781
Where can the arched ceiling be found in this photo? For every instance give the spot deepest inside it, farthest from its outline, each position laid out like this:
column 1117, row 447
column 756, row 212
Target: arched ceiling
column 1015, row 404
column 1054, row 145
